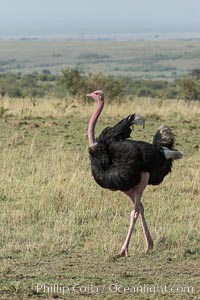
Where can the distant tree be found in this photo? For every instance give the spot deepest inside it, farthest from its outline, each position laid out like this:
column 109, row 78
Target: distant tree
column 195, row 73
column 46, row 71
column 29, row 80
column 10, row 85
column 2, row 92
column 112, row 86
column 145, row 92
column 72, row 81
column 14, row 91
column 188, row 89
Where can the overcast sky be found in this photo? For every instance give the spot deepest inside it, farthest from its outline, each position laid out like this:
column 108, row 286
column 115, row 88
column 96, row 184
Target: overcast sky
column 89, row 16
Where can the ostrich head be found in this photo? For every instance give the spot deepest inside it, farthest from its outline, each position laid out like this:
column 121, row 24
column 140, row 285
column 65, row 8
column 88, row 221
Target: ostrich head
column 97, row 95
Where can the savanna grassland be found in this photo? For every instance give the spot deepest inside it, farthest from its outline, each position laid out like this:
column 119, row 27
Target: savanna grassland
column 167, row 59
column 59, row 228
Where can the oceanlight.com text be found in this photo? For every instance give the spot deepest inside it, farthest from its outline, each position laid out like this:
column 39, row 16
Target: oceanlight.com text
column 113, row 288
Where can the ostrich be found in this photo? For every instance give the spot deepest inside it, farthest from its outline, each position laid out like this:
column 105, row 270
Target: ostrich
column 118, row 163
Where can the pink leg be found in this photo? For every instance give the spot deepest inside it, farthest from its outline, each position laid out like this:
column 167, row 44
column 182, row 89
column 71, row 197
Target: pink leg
column 135, row 194
column 147, row 235
column 134, row 216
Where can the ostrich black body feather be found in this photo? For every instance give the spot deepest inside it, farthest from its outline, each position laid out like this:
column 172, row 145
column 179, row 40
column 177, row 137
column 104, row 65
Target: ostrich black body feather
column 117, row 162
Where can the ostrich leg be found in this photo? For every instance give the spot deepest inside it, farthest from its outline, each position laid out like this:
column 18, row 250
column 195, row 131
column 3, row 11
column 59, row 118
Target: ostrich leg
column 136, row 194
column 147, row 235
column 134, row 216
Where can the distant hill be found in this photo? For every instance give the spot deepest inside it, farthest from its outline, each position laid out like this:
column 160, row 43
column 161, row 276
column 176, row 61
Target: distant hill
column 139, row 59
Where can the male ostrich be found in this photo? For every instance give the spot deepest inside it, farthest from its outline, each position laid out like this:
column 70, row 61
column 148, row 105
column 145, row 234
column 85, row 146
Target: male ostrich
column 118, row 163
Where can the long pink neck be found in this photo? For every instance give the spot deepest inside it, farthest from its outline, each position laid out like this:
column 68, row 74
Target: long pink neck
column 92, row 123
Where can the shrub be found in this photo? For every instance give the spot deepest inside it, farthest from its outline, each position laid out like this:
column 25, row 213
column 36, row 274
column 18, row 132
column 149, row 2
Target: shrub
column 145, row 92
column 72, row 81
column 188, row 88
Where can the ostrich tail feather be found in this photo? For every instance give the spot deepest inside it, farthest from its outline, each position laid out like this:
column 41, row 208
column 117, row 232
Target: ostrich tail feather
column 164, row 137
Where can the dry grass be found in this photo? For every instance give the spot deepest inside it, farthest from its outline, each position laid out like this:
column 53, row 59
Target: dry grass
column 50, row 204
column 156, row 108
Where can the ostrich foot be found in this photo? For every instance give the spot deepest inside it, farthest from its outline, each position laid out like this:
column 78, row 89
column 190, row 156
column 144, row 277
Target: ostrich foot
column 123, row 252
column 149, row 246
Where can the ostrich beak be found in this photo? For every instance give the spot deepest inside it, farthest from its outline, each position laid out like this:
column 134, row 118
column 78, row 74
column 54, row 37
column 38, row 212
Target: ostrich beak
column 139, row 120
column 89, row 95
